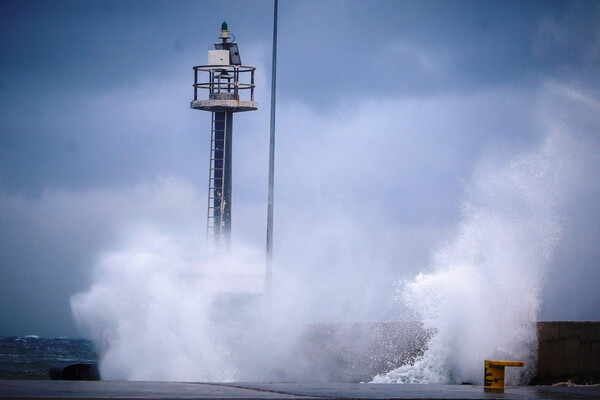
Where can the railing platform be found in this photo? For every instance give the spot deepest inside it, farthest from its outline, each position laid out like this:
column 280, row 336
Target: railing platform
column 227, row 85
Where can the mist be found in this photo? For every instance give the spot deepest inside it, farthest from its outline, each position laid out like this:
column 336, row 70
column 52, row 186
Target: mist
column 162, row 306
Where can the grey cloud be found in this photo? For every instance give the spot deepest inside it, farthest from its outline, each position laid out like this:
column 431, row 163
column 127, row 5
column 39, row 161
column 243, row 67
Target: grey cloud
column 50, row 244
column 384, row 109
column 472, row 45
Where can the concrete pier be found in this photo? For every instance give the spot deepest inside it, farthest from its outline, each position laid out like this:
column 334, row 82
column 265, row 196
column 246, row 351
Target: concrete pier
column 12, row 389
column 568, row 351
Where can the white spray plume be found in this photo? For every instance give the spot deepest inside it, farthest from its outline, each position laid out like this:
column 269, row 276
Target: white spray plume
column 483, row 297
column 159, row 307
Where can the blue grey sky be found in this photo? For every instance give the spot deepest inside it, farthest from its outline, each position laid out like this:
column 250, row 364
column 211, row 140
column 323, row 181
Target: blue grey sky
column 385, row 110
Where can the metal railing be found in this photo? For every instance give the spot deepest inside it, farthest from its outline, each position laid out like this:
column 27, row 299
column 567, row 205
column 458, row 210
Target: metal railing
column 225, row 80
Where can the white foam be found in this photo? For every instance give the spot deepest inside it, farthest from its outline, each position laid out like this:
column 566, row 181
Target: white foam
column 483, row 295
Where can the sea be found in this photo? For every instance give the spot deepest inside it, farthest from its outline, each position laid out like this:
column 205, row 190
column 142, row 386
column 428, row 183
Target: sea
column 31, row 357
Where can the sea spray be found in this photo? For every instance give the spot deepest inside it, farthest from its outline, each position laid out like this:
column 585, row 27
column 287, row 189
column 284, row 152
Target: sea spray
column 150, row 310
column 482, row 298
column 158, row 305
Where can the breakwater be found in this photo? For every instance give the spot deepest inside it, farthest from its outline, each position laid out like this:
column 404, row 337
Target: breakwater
column 567, row 350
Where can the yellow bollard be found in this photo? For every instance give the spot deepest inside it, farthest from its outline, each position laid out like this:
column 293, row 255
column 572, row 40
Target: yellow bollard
column 494, row 374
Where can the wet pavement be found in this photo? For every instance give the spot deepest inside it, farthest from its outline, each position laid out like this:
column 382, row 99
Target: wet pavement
column 23, row 389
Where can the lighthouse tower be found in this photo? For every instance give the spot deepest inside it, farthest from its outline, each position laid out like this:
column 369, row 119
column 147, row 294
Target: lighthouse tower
column 230, row 89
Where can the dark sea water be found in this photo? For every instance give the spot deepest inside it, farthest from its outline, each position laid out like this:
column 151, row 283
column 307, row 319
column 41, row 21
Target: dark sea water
column 30, row 357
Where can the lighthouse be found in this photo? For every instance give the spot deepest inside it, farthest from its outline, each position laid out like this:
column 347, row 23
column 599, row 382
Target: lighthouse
column 224, row 87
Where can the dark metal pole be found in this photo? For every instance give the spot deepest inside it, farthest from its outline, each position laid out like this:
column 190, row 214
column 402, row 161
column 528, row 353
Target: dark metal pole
column 227, row 180
column 195, row 84
column 269, row 267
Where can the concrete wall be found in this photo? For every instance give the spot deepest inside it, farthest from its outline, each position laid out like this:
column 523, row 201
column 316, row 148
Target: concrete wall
column 568, row 350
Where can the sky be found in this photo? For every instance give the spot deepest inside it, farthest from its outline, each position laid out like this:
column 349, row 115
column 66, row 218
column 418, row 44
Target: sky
column 385, row 112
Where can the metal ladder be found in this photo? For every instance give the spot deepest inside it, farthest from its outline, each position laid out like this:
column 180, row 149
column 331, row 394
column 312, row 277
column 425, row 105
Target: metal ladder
column 216, row 203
